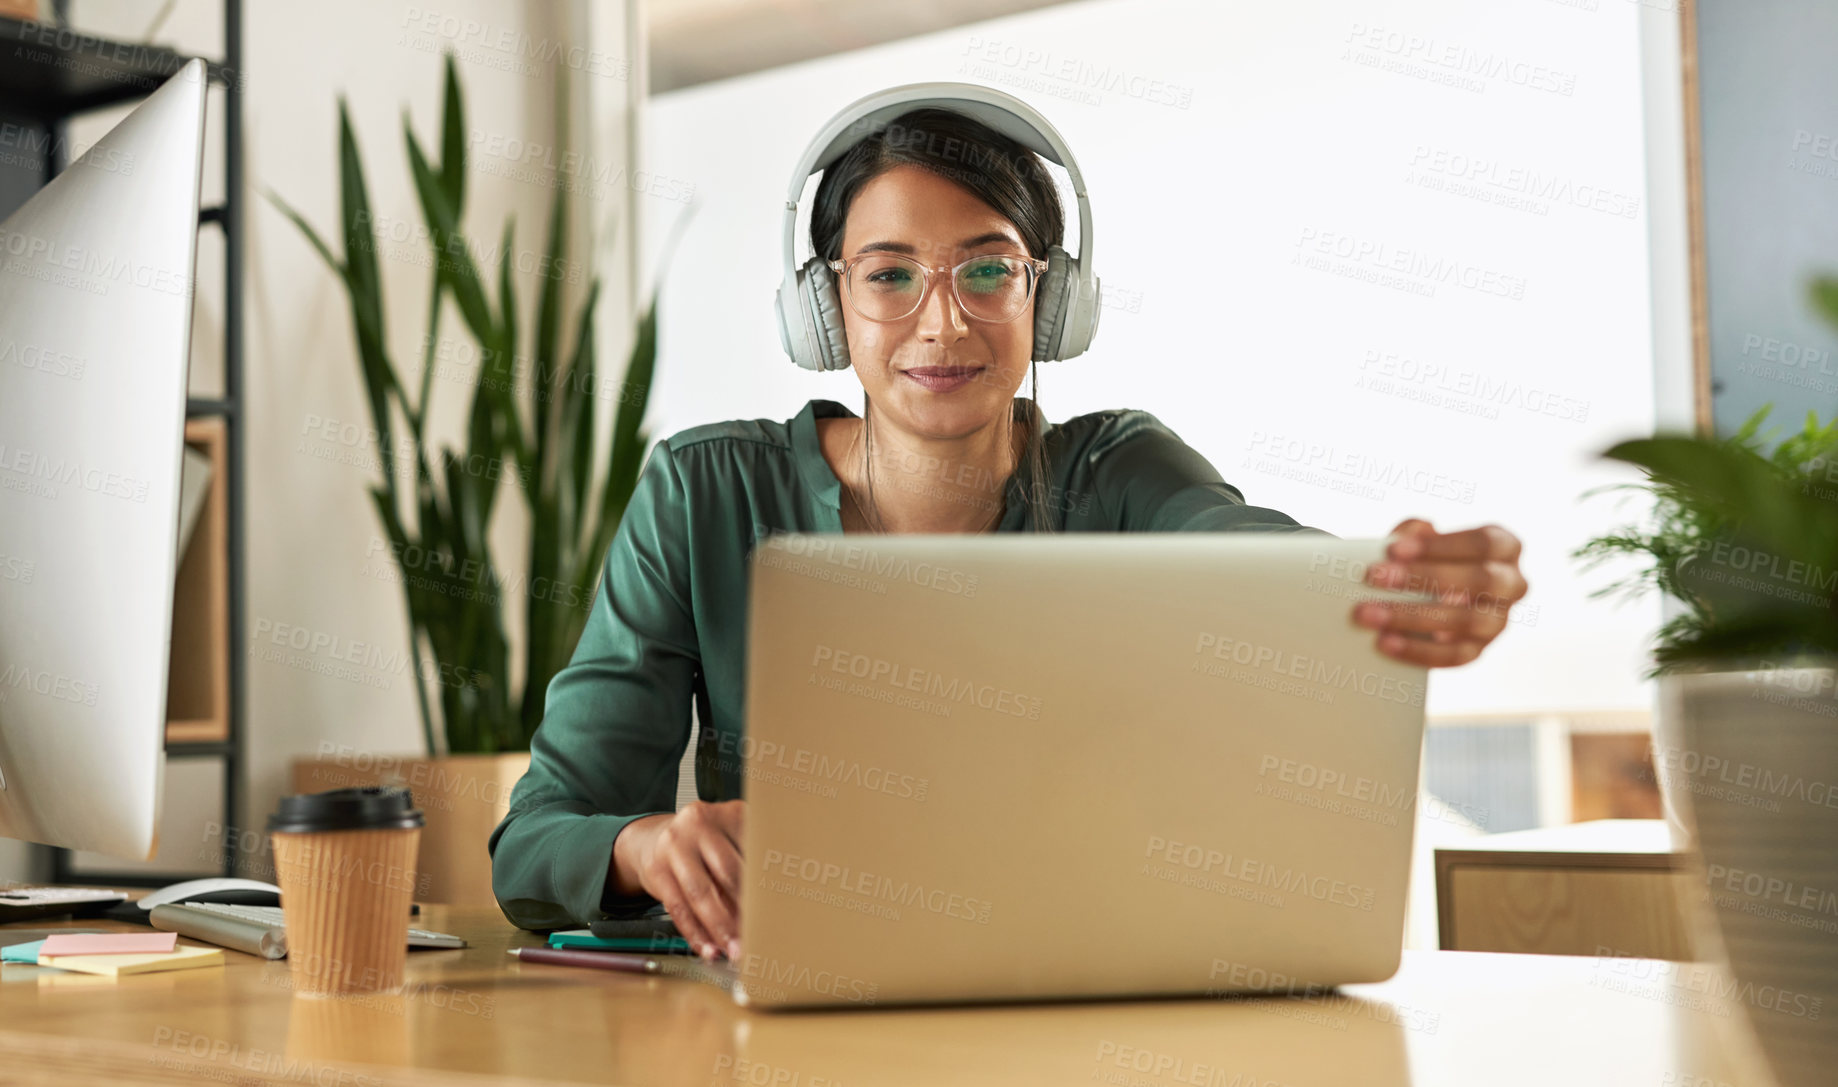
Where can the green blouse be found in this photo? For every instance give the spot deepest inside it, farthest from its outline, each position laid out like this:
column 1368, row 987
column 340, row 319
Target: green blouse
column 668, row 622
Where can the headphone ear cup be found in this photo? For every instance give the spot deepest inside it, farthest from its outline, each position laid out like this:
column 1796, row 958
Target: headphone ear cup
column 1050, row 303
column 824, row 302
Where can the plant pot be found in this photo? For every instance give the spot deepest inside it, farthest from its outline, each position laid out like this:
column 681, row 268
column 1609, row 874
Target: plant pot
column 1668, row 755
column 1757, row 770
column 462, row 797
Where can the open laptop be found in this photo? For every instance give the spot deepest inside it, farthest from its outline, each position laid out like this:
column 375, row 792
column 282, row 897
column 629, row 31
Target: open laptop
column 1014, row 768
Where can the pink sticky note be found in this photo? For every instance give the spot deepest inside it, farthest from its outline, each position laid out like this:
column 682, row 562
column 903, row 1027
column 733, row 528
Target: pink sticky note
column 110, row 943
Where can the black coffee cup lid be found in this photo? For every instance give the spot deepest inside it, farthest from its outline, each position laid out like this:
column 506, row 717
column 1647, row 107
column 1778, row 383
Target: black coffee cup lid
column 370, row 808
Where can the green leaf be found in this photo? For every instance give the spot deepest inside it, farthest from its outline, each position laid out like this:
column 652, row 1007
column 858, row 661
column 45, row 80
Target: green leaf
column 1825, row 298
column 419, row 608
column 575, row 427
column 360, row 238
column 453, row 140
column 505, row 358
column 630, row 446
column 364, row 286
column 418, row 412
column 629, row 439
column 452, row 256
column 306, row 228
column 1747, row 542
column 1736, row 482
column 545, row 386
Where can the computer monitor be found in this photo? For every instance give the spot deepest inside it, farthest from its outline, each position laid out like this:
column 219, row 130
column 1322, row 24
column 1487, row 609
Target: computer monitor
column 96, row 275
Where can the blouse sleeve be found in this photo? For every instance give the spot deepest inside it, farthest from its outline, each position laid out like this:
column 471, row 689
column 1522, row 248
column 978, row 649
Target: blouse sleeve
column 615, row 723
column 1150, row 480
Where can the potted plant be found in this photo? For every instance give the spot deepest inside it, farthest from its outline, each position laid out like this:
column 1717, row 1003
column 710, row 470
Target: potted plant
column 1744, row 542
column 531, row 426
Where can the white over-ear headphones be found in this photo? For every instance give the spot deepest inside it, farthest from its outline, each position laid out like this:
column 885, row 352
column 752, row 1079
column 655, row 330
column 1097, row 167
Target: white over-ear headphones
column 809, row 308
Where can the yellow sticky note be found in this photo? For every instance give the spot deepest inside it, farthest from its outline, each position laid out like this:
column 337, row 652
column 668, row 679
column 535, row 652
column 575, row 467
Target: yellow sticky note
column 183, row 958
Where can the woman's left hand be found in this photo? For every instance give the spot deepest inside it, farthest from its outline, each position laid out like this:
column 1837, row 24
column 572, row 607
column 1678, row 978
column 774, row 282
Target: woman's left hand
column 1474, row 576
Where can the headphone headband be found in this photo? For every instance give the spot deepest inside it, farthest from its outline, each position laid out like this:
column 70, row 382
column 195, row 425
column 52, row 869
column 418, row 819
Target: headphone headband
column 870, row 114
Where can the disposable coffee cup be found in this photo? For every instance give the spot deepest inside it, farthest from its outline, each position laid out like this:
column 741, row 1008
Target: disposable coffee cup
column 345, row 862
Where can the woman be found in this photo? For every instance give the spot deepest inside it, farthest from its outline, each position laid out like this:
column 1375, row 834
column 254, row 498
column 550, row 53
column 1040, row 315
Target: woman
column 944, row 445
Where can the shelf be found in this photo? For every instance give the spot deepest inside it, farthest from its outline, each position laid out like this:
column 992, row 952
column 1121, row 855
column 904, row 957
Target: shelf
column 197, row 749
column 198, row 683
column 53, row 74
column 199, row 407
column 44, row 80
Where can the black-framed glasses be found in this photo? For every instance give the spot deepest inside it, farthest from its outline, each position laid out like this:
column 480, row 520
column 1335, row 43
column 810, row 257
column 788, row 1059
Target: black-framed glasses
column 891, row 287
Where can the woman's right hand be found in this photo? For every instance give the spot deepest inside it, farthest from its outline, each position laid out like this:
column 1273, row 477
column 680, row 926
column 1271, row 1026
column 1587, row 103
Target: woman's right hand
column 690, row 861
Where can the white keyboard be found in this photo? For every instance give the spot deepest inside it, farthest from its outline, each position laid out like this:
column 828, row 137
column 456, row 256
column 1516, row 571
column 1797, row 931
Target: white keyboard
column 24, row 903
column 257, row 930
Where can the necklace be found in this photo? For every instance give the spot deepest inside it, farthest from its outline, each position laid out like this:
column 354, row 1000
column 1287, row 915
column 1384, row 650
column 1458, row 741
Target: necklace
column 863, row 514
column 1001, row 508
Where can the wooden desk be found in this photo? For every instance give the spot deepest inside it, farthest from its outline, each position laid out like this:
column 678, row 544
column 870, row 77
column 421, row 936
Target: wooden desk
column 477, row 1016
column 1613, row 883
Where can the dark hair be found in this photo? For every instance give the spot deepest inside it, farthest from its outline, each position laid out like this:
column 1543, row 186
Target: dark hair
column 999, row 172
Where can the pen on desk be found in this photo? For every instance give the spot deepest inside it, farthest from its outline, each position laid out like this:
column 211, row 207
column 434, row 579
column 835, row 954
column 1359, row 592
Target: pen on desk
column 598, row 960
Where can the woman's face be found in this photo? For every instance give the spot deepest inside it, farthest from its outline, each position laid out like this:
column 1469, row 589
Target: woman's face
column 915, row 212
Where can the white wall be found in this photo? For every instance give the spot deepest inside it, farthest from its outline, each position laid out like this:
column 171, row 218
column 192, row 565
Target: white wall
column 1234, row 138
column 311, row 527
